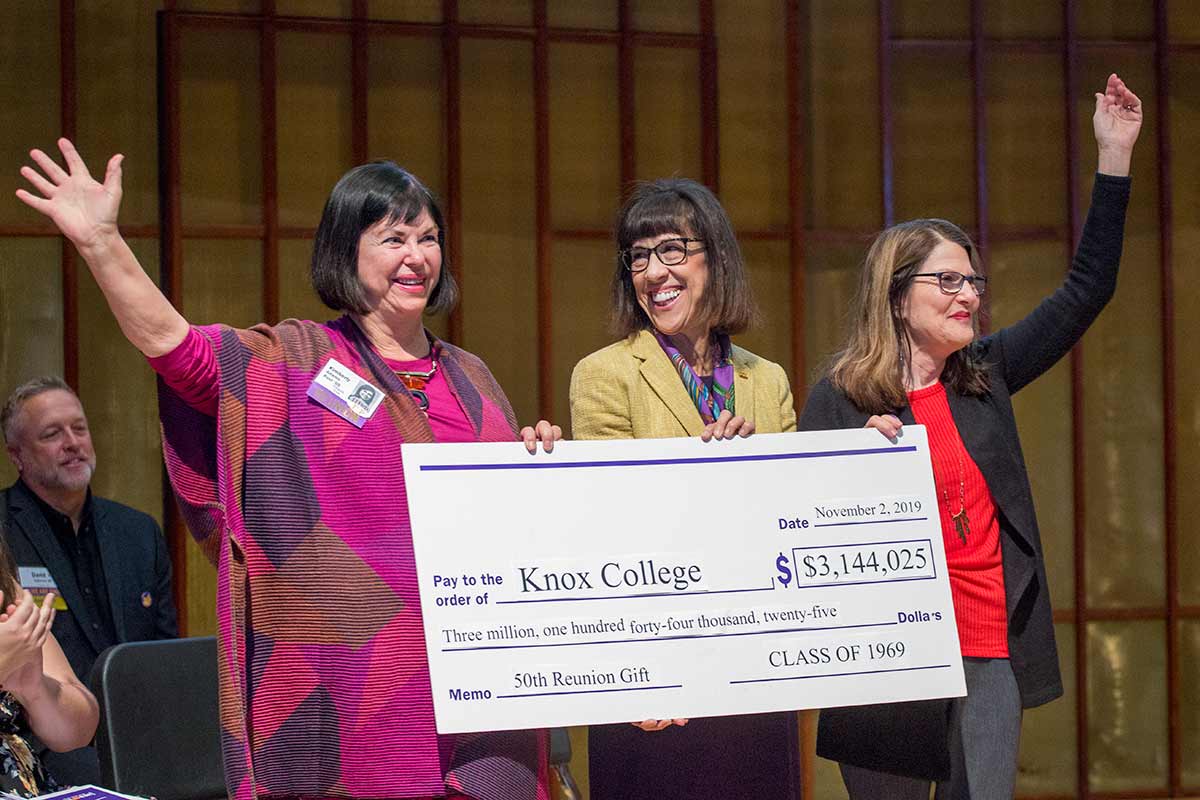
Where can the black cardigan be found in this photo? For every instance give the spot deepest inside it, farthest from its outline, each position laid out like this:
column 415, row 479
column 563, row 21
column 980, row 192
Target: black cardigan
column 911, row 738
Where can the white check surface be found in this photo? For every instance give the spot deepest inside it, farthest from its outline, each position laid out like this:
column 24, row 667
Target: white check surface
column 664, row 578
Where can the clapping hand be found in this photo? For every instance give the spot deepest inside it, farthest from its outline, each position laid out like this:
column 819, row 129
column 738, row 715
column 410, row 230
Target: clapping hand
column 24, row 628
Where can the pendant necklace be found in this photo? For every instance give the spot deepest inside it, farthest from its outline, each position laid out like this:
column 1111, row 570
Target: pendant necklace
column 962, row 525
column 416, row 381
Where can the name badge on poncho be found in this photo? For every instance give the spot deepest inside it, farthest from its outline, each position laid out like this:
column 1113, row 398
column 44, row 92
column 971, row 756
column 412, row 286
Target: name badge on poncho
column 342, row 391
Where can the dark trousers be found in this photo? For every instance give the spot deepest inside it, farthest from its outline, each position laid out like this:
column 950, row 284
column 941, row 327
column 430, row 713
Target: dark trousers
column 729, row 758
column 985, row 734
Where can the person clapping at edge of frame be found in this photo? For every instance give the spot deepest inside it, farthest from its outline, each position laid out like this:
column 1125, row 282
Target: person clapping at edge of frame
column 282, row 443
column 39, row 693
column 106, row 563
column 913, row 356
column 679, row 290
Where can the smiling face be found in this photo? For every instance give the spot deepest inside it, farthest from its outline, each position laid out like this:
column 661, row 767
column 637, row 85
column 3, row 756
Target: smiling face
column 671, row 295
column 939, row 324
column 399, row 264
column 51, row 445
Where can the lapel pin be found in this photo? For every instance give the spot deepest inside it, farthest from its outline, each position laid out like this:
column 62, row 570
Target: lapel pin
column 146, row 600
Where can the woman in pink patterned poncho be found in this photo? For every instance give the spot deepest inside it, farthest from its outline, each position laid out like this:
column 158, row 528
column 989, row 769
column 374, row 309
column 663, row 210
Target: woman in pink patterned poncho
column 288, row 485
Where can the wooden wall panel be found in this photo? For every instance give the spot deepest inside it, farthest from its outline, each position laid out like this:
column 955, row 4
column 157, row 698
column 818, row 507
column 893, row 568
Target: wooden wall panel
column 30, row 317
column 1023, row 19
column 1185, row 148
column 406, row 10
column 1046, row 764
column 120, row 397
column 593, row 14
column 118, row 106
column 1189, row 702
column 404, row 106
column 223, row 282
column 1127, row 740
column 1115, row 19
column 667, row 112
column 337, row 9
column 230, row 6
column 752, row 92
column 1183, row 21
column 582, row 275
column 585, row 179
column 842, row 117
column 487, row 12
column 296, row 296
column 676, row 16
column 833, row 270
column 220, row 179
column 1026, row 126
column 1022, row 274
column 930, row 18
column 498, row 216
column 29, row 98
column 934, row 138
column 770, row 277
column 314, row 122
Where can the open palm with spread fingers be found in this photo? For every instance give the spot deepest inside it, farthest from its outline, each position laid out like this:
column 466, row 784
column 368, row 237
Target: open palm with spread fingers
column 84, row 209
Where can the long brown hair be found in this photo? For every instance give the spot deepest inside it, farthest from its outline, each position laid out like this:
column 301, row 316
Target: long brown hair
column 8, row 570
column 871, row 368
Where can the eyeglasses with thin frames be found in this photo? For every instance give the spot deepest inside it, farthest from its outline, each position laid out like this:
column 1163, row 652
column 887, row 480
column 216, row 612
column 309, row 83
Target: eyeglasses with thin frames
column 952, row 282
column 670, row 252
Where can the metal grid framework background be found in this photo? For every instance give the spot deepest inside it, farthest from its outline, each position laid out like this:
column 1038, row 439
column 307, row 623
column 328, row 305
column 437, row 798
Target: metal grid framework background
column 1158, row 50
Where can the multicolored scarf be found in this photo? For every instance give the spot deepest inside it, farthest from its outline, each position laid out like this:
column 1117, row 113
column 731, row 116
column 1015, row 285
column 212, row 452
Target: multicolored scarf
column 709, row 402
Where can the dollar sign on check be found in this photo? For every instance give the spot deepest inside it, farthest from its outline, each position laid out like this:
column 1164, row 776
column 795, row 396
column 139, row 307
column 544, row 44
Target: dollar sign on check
column 785, row 572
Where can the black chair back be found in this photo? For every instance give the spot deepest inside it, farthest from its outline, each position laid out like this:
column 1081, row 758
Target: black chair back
column 159, row 732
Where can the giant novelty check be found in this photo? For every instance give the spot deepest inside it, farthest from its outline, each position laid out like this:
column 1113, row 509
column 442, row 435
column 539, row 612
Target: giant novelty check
column 665, row 578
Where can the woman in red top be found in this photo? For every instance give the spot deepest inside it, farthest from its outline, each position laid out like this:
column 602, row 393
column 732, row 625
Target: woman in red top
column 914, row 357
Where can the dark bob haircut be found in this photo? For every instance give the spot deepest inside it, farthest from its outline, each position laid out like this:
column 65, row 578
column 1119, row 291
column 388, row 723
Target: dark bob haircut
column 682, row 206
column 365, row 195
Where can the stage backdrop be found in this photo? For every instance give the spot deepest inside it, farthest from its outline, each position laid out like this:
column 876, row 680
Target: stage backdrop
column 818, row 121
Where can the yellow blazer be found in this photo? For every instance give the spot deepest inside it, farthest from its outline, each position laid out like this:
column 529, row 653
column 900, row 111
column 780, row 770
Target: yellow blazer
column 630, row 390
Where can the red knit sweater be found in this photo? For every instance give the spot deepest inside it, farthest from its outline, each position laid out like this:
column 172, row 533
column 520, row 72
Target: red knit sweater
column 973, row 556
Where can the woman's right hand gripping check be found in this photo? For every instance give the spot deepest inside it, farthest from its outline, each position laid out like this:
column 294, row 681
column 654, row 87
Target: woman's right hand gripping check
column 887, row 424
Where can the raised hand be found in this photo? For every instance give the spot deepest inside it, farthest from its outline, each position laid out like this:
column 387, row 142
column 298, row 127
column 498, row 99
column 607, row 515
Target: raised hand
column 86, row 213
column 1117, row 123
column 83, row 209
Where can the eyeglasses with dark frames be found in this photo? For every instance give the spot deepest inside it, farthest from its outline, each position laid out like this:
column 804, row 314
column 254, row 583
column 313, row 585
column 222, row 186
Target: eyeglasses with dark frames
column 670, row 252
column 952, row 282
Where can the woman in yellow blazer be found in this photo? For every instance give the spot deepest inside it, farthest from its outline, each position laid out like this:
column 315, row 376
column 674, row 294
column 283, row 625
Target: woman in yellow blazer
column 679, row 291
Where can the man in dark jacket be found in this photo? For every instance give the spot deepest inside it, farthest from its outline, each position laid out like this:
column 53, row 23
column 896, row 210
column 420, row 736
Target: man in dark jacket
column 106, row 563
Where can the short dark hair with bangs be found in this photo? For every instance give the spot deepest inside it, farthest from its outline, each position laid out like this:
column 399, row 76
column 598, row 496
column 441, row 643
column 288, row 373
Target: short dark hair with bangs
column 688, row 208
column 364, row 196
